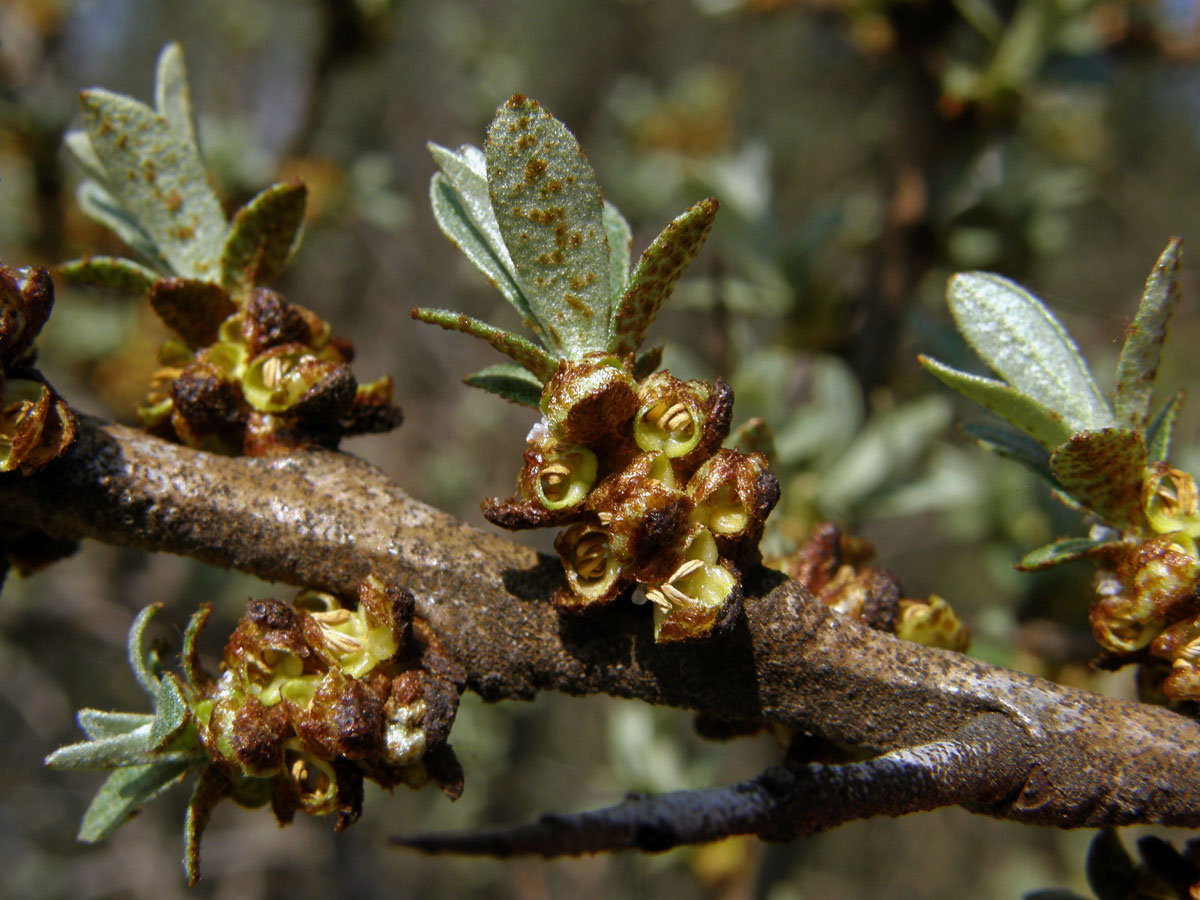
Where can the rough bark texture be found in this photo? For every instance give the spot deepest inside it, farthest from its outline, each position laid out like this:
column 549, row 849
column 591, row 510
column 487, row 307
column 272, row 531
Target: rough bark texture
column 1063, row 757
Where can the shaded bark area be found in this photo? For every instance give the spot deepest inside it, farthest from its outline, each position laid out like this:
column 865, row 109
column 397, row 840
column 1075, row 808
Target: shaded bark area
column 327, row 519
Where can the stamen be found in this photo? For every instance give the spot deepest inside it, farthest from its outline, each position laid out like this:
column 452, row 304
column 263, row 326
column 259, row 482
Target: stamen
column 272, row 372
column 675, row 595
column 692, row 565
column 591, row 555
column 657, row 597
column 605, row 517
column 332, row 616
column 671, row 417
column 554, row 479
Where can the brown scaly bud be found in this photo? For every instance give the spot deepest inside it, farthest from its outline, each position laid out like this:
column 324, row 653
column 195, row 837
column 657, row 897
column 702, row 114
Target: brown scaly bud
column 270, row 320
column 594, row 576
column 589, row 402
column 267, row 651
column 26, row 298
column 1153, row 585
column 343, row 718
column 702, row 596
column 207, row 408
column 644, row 514
column 372, row 410
column 194, row 309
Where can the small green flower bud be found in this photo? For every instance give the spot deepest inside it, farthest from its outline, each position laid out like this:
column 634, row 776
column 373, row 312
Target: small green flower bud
column 1179, row 644
column 35, row 425
column 311, row 781
column 644, row 515
column 562, row 476
column 670, row 415
column 734, row 492
column 1150, row 585
column 26, row 298
column 933, row 623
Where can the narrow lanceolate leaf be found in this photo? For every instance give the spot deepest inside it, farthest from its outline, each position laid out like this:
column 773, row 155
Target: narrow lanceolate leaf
column 657, row 272
column 171, row 712
column 1014, row 333
column 1044, row 425
column 156, row 175
column 1103, row 470
column 1160, row 429
column 189, row 656
column 551, row 216
column 98, row 724
column 1012, row 444
column 620, row 246
column 1064, row 551
column 97, row 203
column 135, row 650
column 526, row 353
column 131, row 748
column 173, row 94
column 512, row 382
column 263, row 235
column 123, row 793
column 211, row 788
column 1137, row 366
column 110, row 272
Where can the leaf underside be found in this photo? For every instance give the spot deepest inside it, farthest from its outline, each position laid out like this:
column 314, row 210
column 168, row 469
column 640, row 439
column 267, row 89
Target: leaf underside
column 1064, row 551
column 1103, row 470
column 263, row 235
column 1137, row 366
column 110, row 272
column 1160, row 429
column 551, row 217
column 123, row 793
column 1010, row 443
column 657, row 272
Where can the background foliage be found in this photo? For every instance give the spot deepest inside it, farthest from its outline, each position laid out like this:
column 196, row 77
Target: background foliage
column 862, row 150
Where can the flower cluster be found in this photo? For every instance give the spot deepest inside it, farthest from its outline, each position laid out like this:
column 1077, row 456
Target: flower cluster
column 267, row 376
column 313, row 698
column 628, row 459
column 250, row 373
column 35, row 423
column 636, row 472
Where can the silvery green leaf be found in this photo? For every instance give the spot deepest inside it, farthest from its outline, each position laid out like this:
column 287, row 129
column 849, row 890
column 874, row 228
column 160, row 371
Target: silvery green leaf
column 1010, row 443
column 173, row 94
column 1103, row 471
column 128, row 749
column 551, row 217
column 156, row 175
column 135, row 650
column 1137, row 366
column 1064, row 551
column 620, row 246
column 463, row 210
column 654, row 277
column 171, row 712
column 98, row 724
column 263, row 235
column 99, row 204
column 526, row 353
column 79, row 145
column 1014, row 333
column 110, row 272
column 123, row 793
column 1044, row 425
column 510, row 381
column 889, row 445
column 1160, row 429
column 189, row 656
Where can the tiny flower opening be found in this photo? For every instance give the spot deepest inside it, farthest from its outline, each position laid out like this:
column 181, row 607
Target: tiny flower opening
column 313, row 779
column 566, row 478
column 667, row 424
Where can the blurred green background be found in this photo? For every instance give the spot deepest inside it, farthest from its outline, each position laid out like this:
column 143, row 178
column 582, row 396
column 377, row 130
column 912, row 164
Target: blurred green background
column 862, row 150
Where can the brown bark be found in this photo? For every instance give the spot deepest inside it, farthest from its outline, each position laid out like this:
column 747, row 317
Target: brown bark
column 1056, row 755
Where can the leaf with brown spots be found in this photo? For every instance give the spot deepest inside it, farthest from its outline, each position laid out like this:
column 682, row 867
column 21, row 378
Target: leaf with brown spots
column 512, row 382
column 153, row 170
column 551, row 216
column 110, row 272
column 262, row 236
column 1103, row 470
column 657, row 271
column 1138, row 363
